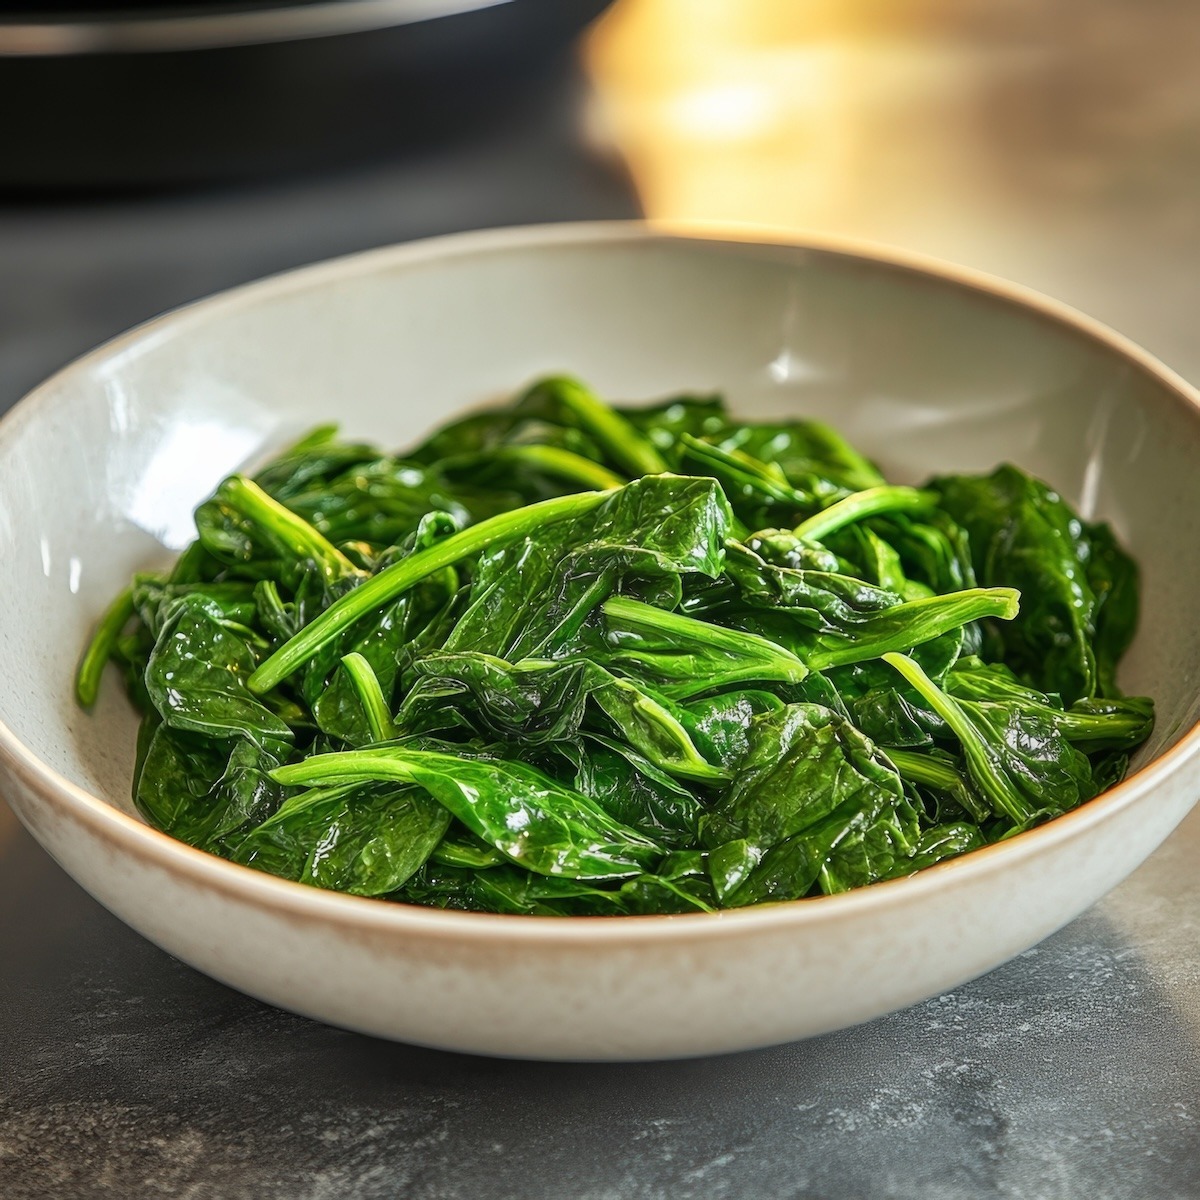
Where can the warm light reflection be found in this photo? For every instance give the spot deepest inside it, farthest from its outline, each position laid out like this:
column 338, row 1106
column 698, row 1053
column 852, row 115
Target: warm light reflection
column 724, row 110
column 787, row 112
column 1013, row 136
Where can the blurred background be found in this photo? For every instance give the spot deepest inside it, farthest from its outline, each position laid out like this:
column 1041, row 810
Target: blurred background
column 1055, row 142
column 151, row 157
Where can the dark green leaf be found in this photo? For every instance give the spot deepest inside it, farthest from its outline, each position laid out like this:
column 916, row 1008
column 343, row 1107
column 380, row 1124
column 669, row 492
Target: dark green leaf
column 197, row 677
column 804, row 764
column 538, row 823
column 365, row 840
column 661, row 696
column 531, row 597
column 1024, row 534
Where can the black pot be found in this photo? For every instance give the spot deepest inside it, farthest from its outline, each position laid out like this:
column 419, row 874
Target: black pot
column 167, row 95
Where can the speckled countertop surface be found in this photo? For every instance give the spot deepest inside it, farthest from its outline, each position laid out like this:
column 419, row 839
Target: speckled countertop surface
column 1072, row 1071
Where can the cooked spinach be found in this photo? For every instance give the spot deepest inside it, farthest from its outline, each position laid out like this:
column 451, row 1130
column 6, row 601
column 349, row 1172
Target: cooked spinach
column 566, row 657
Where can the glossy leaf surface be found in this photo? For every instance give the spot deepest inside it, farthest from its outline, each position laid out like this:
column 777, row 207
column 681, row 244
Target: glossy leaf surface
column 567, row 657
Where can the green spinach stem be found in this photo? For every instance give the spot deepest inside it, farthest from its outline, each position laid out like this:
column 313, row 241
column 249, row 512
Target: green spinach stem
column 857, row 507
column 913, row 623
column 554, row 460
column 974, row 747
column 294, row 532
column 627, row 446
column 925, row 769
column 100, row 648
column 370, row 696
column 765, row 660
column 397, row 579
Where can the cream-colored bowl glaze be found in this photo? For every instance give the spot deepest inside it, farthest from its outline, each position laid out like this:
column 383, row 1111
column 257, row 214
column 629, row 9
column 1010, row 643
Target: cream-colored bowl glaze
column 928, row 368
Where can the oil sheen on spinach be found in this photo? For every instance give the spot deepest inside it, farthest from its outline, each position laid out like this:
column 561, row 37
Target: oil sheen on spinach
column 569, row 658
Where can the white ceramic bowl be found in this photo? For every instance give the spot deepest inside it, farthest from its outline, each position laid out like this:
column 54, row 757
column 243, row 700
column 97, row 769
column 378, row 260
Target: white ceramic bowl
column 928, row 368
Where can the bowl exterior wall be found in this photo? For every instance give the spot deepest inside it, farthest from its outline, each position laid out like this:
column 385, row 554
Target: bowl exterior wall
column 623, row 998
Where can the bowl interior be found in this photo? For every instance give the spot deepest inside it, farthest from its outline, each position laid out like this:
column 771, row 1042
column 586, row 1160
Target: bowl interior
column 101, row 468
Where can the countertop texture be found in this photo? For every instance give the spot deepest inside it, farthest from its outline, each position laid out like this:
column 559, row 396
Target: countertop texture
column 1072, row 1071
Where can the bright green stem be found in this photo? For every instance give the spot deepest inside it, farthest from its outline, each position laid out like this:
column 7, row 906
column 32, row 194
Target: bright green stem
column 765, row 661
column 462, row 854
column 292, row 531
column 655, row 732
column 1114, row 726
column 859, row 506
column 627, row 446
column 100, row 648
column 912, row 624
column 988, row 779
column 767, row 478
column 553, row 460
column 346, row 766
column 397, row 579
column 370, row 696
column 925, row 770
column 1111, row 723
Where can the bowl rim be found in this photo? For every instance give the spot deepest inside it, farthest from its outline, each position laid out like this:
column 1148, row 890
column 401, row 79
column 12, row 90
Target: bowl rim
column 200, row 868
column 188, row 27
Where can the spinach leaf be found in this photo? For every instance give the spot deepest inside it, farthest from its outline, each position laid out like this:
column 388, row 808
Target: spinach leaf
column 938, row 843
column 1024, row 533
column 1092, row 725
column 197, row 678
column 365, row 840
column 830, row 620
column 315, row 460
column 201, row 790
column 933, row 548
column 654, row 727
column 530, row 598
column 719, row 725
column 880, row 850
column 632, row 790
column 805, row 765
column 539, row 701
column 824, row 601
column 382, row 502
column 536, row 701
column 1113, row 578
column 516, row 892
column 533, row 820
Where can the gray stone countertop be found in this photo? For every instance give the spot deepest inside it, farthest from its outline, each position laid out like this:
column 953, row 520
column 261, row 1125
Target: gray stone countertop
column 1072, row 1071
